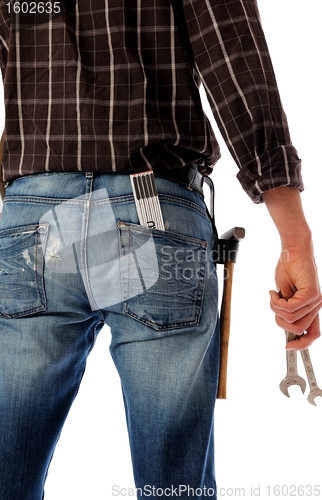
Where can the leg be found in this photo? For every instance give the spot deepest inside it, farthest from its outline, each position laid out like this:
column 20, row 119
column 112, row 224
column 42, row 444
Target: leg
column 47, row 329
column 166, row 348
column 169, row 388
column 42, row 363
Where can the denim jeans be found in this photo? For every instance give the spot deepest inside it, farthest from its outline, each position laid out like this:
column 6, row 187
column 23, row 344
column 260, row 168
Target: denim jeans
column 73, row 257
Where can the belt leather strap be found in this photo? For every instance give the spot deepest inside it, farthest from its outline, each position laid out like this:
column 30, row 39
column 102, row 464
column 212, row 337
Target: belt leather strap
column 189, row 176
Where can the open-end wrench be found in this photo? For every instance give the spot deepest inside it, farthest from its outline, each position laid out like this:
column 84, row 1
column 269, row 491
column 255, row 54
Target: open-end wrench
column 314, row 389
column 292, row 377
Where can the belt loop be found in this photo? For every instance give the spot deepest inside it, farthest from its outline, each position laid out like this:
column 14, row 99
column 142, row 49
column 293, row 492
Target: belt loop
column 195, row 178
column 192, row 173
column 211, row 186
column 89, row 181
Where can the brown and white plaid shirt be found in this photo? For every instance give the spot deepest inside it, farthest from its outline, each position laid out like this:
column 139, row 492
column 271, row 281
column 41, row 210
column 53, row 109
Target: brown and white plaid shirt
column 106, row 85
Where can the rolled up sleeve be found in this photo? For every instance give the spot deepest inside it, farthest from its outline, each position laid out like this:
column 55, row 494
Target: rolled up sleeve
column 231, row 56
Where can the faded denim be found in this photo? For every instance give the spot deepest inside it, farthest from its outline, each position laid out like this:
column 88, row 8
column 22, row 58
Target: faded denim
column 73, row 257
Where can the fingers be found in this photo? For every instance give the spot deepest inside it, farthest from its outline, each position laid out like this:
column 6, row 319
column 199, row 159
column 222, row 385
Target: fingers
column 298, row 315
column 304, row 341
column 299, row 300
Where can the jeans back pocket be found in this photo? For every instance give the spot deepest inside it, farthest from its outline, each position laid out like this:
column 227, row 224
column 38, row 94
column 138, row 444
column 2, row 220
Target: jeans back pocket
column 22, row 290
column 162, row 276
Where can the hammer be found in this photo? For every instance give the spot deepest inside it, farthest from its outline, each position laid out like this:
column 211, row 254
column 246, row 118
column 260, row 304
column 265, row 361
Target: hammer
column 228, row 246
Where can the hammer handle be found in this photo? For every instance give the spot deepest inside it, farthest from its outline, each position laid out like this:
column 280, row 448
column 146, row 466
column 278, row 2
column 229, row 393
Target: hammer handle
column 225, row 315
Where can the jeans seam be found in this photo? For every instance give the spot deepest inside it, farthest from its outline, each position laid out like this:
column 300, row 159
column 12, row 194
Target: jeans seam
column 39, row 200
column 184, row 203
column 84, row 254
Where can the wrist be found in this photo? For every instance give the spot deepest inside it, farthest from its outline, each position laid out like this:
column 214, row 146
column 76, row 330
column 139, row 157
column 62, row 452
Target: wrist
column 285, row 207
column 298, row 239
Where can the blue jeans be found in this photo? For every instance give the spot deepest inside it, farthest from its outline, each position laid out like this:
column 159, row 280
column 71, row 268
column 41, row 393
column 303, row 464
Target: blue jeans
column 73, row 257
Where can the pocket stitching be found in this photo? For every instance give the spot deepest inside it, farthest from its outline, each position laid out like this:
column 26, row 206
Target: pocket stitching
column 198, row 300
column 39, row 269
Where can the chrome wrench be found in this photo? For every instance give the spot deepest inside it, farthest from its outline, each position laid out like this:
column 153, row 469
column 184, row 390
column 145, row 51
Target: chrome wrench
column 315, row 391
column 292, row 377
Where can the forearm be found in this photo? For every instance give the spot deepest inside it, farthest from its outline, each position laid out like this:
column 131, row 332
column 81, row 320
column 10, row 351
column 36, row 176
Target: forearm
column 285, row 207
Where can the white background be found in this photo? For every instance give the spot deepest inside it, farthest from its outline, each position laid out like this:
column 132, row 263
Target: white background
column 262, row 437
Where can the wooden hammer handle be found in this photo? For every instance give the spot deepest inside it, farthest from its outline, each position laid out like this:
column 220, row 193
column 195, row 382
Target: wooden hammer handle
column 225, row 315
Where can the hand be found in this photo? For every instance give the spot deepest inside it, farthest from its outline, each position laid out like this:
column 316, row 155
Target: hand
column 296, row 274
column 297, row 282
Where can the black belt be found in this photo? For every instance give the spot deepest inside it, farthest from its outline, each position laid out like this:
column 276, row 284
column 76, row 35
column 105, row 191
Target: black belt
column 188, row 175
column 191, row 178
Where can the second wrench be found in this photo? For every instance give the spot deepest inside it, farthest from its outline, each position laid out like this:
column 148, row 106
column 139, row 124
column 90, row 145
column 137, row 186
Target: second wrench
column 314, row 389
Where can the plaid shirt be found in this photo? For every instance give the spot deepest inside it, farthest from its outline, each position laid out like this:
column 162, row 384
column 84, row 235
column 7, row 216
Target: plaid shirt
column 113, row 85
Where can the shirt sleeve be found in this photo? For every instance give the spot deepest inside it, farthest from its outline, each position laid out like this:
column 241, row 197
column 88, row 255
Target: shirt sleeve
column 231, row 56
